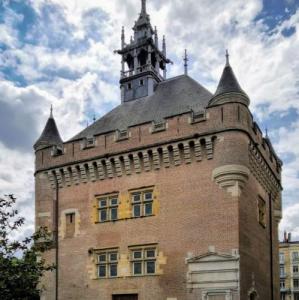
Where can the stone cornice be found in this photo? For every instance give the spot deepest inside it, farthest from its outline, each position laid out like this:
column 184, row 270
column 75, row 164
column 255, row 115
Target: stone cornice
column 133, row 162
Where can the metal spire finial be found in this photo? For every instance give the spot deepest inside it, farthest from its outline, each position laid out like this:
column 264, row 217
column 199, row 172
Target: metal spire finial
column 186, row 62
column 94, row 117
column 51, row 112
column 123, row 37
column 143, row 6
column 227, row 57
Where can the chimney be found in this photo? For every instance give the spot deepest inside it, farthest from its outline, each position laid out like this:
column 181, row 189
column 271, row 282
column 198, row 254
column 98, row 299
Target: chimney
column 289, row 237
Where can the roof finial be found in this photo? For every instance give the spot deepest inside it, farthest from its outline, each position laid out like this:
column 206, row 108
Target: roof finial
column 51, row 112
column 94, row 117
column 227, row 58
column 143, row 6
column 186, row 62
column 123, row 37
column 267, row 133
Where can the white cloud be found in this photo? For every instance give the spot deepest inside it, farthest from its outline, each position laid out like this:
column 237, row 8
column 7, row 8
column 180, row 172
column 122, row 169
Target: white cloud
column 77, row 82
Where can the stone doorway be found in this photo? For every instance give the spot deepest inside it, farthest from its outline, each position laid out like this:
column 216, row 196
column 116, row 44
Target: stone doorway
column 125, row 297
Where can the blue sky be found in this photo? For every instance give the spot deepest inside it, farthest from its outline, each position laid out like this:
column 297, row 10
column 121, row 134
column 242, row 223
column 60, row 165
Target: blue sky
column 60, row 52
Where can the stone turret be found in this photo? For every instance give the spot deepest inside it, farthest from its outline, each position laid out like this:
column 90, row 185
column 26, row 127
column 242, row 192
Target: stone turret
column 229, row 89
column 50, row 135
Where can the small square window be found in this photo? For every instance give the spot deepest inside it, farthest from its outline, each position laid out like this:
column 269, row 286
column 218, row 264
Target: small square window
column 114, row 201
column 136, row 197
column 112, row 256
column 150, row 267
column 148, row 196
column 150, row 253
column 103, row 203
column 137, row 254
column 102, row 270
column 137, row 268
column 102, row 257
column 137, row 210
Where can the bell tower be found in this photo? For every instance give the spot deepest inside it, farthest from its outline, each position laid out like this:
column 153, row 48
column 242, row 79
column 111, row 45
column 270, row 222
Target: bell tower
column 143, row 63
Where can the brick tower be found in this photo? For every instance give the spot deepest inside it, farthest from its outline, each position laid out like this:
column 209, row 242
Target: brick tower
column 174, row 194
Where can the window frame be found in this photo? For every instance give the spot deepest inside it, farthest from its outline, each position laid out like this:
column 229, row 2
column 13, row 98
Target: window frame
column 142, row 202
column 143, row 260
column 108, row 206
column 107, row 263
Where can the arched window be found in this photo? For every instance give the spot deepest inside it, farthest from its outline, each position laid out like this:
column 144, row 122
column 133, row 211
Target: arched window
column 142, row 57
column 253, row 296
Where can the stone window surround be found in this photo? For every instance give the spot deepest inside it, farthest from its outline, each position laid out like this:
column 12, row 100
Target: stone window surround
column 142, row 201
column 143, row 259
column 107, row 262
column 108, row 207
column 62, row 227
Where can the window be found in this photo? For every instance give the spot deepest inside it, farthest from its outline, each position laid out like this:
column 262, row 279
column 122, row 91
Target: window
column 70, row 225
column 142, row 203
column 296, row 283
column 295, row 256
column 141, row 82
column 281, row 258
column 262, row 212
column 282, row 271
column 108, row 208
column 143, row 261
column 295, row 269
column 107, row 263
column 129, row 86
column 282, row 284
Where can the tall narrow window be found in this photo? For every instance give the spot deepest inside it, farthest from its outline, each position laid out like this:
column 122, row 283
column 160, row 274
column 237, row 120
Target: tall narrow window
column 108, row 208
column 262, row 212
column 70, row 225
column 142, row 203
column 107, row 263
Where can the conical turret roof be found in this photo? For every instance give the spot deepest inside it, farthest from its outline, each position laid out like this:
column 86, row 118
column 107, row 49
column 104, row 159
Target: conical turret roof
column 229, row 84
column 50, row 135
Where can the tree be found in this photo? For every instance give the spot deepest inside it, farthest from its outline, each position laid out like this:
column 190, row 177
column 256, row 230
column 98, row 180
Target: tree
column 21, row 267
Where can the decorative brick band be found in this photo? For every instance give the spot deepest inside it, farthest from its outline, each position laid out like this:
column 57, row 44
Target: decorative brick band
column 261, row 171
column 232, row 178
column 164, row 156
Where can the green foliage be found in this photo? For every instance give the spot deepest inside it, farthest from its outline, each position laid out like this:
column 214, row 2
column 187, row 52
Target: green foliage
column 21, row 266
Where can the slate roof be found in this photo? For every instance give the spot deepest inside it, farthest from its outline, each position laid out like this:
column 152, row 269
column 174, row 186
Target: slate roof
column 228, row 83
column 50, row 135
column 172, row 97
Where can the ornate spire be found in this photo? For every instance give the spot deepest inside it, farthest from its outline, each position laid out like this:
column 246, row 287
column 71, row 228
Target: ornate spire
column 186, row 62
column 123, row 37
column 50, row 135
column 229, row 86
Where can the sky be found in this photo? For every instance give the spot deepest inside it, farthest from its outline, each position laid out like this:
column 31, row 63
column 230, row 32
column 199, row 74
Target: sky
column 61, row 52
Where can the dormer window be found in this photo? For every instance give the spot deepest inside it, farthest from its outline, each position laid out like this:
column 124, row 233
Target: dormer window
column 88, row 142
column 56, row 151
column 197, row 117
column 121, row 135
